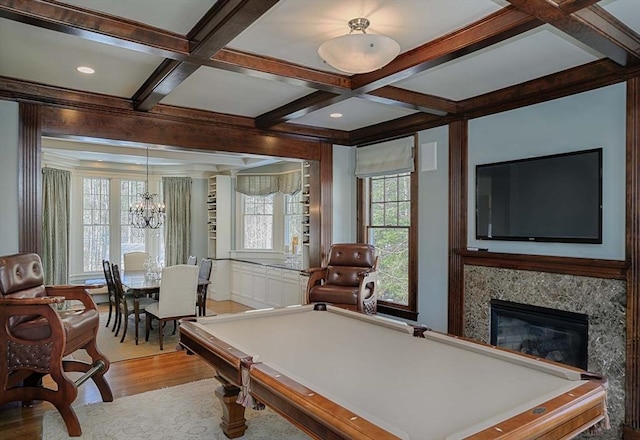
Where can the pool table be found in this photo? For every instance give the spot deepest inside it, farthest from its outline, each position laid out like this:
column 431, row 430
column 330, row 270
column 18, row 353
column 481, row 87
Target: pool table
column 338, row 374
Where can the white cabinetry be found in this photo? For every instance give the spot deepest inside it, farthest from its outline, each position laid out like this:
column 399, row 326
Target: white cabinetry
column 220, row 289
column 290, row 288
column 259, row 286
column 219, row 216
column 274, row 286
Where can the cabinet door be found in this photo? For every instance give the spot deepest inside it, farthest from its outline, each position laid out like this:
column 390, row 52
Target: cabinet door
column 259, row 284
column 246, row 280
column 274, row 287
column 290, row 288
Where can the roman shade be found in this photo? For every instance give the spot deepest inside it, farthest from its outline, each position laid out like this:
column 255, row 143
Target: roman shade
column 265, row 184
column 391, row 157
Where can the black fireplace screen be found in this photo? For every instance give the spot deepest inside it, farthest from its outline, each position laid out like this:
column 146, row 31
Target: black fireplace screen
column 542, row 332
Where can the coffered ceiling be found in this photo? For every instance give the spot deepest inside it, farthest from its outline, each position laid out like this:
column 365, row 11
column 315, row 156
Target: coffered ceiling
column 254, row 63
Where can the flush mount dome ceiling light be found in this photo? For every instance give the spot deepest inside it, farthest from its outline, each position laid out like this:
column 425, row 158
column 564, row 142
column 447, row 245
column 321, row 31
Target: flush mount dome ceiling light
column 359, row 52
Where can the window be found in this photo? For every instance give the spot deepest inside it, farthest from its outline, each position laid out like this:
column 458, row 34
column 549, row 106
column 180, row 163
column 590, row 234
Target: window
column 95, row 223
column 107, row 231
column 131, row 239
column 258, row 222
column 388, row 226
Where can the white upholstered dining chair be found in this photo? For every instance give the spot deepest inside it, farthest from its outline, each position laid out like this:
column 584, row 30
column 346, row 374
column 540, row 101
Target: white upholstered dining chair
column 135, row 260
column 178, row 295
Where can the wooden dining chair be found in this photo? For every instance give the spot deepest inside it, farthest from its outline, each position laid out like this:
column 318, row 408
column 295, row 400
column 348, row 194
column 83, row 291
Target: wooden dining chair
column 111, row 291
column 178, row 294
column 125, row 303
column 205, row 273
column 192, row 260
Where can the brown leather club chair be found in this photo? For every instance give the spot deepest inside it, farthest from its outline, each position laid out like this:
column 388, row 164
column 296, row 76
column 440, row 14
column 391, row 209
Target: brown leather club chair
column 347, row 279
column 35, row 337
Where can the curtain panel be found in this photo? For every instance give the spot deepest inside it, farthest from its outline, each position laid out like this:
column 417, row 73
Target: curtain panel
column 177, row 226
column 55, row 225
column 265, row 184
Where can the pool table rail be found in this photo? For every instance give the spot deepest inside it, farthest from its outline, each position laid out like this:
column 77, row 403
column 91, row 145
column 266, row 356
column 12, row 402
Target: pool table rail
column 563, row 417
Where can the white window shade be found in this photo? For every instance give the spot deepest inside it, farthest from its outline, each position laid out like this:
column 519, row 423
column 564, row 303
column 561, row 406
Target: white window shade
column 257, row 185
column 392, row 157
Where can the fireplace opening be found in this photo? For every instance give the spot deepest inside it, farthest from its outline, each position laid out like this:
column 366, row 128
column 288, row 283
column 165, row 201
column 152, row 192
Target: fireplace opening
column 552, row 334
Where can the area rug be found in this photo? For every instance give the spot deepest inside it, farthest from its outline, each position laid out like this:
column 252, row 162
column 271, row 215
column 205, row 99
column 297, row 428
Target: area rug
column 186, row 412
column 115, row 351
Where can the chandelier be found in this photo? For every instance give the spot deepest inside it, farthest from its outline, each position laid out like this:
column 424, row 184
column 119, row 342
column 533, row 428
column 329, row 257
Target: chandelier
column 359, row 52
column 147, row 212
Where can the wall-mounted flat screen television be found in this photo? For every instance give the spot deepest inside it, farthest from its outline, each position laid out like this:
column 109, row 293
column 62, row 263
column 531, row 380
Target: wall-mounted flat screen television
column 554, row 198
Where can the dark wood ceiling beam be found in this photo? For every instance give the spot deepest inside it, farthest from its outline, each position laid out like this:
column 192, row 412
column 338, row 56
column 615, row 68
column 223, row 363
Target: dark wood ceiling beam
column 591, row 26
column 414, row 100
column 575, row 80
column 226, row 20
column 274, row 69
column 94, row 26
column 299, row 107
column 497, row 27
column 571, row 6
column 398, row 127
column 599, row 18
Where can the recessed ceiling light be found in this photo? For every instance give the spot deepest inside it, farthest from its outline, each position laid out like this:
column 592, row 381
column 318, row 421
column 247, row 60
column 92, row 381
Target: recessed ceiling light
column 336, row 115
column 85, row 69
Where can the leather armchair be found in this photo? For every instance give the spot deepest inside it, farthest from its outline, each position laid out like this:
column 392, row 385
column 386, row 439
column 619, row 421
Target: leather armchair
column 35, row 337
column 348, row 278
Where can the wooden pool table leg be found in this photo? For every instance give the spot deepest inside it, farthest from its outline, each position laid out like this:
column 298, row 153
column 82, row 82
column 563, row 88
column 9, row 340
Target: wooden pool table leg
column 233, row 422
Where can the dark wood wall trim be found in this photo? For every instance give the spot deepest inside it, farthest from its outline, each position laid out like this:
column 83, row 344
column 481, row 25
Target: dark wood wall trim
column 458, row 148
column 326, row 200
column 29, row 179
column 632, row 402
column 153, row 129
column 588, row 267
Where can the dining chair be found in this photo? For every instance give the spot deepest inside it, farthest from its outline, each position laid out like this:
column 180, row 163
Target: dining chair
column 111, row 290
column 192, row 260
column 125, row 302
column 204, row 274
column 135, row 260
column 178, row 294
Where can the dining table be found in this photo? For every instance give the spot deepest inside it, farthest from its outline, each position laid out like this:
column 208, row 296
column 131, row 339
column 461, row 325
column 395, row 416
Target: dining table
column 140, row 284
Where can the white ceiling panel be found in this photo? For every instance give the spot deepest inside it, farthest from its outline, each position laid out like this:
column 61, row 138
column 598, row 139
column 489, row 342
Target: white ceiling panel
column 49, row 57
column 356, row 113
column 627, row 11
column 294, row 29
column 536, row 53
column 232, row 93
column 174, row 15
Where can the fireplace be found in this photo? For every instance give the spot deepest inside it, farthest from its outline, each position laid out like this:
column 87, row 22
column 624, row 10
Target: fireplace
column 542, row 332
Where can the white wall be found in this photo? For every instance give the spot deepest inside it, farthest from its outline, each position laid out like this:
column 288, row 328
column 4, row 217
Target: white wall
column 344, row 195
column 433, row 238
column 579, row 122
column 9, row 114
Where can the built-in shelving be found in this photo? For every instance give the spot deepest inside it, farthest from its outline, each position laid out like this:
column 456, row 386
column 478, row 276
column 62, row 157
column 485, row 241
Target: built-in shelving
column 218, row 216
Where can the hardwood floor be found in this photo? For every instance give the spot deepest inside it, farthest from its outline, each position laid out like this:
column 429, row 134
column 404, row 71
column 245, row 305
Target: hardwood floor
column 125, row 378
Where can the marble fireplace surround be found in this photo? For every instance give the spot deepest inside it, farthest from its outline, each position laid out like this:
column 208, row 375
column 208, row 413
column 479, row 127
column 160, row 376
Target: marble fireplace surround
column 603, row 300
